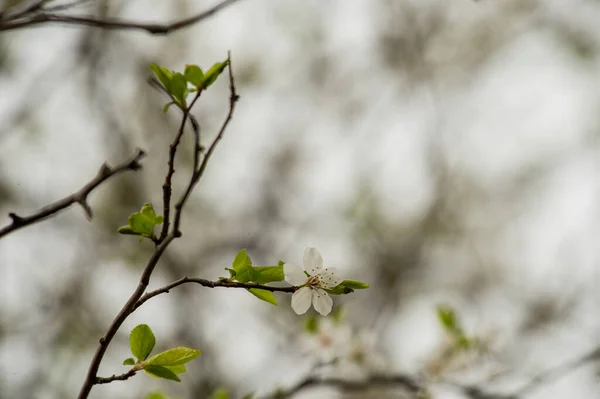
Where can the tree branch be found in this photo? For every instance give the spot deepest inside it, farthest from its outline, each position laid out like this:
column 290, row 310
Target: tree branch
column 210, row 284
column 121, row 377
column 167, row 190
column 80, row 197
column 161, row 245
column 38, row 17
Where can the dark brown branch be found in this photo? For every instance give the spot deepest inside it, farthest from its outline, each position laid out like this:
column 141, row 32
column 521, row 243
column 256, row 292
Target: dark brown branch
column 121, row 377
column 80, row 197
column 40, row 17
column 167, row 189
column 210, row 284
column 127, row 309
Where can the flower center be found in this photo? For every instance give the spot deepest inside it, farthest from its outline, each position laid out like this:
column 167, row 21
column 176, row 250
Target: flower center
column 314, row 281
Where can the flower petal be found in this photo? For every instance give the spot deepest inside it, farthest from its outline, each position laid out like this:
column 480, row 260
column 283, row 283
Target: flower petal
column 321, row 301
column 301, row 300
column 294, row 274
column 313, row 262
column 328, row 278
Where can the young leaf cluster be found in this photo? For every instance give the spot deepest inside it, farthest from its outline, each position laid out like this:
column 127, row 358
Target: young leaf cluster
column 193, row 79
column 142, row 223
column 168, row 364
column 243, row 272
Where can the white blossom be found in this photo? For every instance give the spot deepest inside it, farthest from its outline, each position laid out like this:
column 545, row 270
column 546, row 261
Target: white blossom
column 312, row 286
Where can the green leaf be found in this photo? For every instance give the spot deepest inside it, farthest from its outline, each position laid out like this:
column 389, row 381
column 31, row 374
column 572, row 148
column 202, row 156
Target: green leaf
column 219, row 393
column 174, row 356
column 312, row 324
column 177, row 369
column 127, row 230
column 232, row 272
column 346, row 287
column 269, row 274
column 339, row 290
column 179, row 88
column 447, row 318
column 142, row 222
column 128, row 362
column 194, row 75
column 241, row 260
column 248, row 396
column 141, row 341
column 148, row 211
column 263, row 295
column 213, row 73
column 355, row 285
column 167, row 106
column 242, row 264
column 161, row 372
column 164, row 75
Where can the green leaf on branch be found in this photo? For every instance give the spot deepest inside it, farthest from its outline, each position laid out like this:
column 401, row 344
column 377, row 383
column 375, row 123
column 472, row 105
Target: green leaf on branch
column 263, row 295
column 179, row 89
column 194, row 75
column 347, row 287
column 355, row 285
column 268, row 274
column 167, row 106
column 213, row 73
column 142, row 223
column 163, row 75
column 141, row 341
column 161, row 372
column 219, row 393
column 175, row 356
column 242, row 265
column 128, row 362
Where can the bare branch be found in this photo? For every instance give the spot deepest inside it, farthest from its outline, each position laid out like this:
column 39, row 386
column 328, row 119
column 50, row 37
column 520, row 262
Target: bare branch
column 167, row 190
column 37, row 17
column 121, row 377
column 80, row 197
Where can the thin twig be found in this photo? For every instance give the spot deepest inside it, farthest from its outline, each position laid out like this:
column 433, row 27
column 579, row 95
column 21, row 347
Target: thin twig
column 80, row 197
column 120, row 377
column 197, row 175
column 167, row 190
column 210, row 284
column 39, row 18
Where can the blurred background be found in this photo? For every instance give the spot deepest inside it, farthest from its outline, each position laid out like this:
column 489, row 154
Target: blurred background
column 445, row 152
